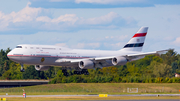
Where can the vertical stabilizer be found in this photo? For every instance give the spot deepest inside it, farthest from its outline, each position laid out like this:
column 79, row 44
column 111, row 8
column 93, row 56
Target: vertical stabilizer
column 137, row 41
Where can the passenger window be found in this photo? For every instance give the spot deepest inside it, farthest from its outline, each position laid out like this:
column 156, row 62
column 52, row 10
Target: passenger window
column 18, row 46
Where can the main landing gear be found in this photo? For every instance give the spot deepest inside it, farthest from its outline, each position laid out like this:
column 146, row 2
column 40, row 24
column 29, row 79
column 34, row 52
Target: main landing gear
column 22, row 68
column 78, row 72
column 83, row 71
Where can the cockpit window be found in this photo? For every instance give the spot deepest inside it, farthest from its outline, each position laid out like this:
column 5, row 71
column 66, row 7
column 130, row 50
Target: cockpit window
column 18, row 46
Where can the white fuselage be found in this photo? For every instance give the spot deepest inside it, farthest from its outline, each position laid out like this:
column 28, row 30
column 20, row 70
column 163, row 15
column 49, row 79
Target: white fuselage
column 48, row 55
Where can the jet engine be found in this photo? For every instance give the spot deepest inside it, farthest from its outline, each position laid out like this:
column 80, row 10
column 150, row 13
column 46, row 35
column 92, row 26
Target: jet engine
column 41, row 67
column 86, row 64
column 119, row 60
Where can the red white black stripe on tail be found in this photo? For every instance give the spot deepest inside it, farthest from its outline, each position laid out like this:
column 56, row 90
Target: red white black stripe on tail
column 137, row 41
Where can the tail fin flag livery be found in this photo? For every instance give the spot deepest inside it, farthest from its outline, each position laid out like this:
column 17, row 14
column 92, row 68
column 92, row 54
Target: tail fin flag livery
column 79, row 59
column 137, row 41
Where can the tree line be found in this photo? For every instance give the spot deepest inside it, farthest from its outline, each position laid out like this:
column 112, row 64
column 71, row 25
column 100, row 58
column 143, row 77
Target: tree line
column 151, row 69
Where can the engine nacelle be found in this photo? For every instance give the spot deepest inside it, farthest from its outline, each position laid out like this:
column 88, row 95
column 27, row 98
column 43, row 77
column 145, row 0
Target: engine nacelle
column 41, row 67
column 119, row 60
column 86, row 64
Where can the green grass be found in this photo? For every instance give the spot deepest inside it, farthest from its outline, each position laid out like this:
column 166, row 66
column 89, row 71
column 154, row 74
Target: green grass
column 94, row 88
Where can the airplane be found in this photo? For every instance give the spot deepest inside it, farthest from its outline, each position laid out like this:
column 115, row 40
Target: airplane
column 45, row 56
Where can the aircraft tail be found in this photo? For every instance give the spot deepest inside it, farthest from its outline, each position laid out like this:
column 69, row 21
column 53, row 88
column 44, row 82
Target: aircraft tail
column 137, row 41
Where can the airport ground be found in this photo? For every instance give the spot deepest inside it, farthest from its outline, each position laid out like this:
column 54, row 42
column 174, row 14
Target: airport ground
column 92, row 89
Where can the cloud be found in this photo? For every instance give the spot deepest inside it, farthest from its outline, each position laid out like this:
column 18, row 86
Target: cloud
column 61, row 44
column 96, row 1
column 68, row 19
column 169, row 38
column 79, row 45
column 27, row 14
column 177, row 41
column 114, row 46
column 117, row 38
column 93, row 4
column 30, row 18
column 93, row 45
column 108, row 1
column 43, row 19
column 101, row 20
column 59, row 0
column 110, row 20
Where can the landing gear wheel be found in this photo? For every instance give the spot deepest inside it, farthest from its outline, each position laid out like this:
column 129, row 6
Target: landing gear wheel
column 85, row 72
column 78, row 72
column 75, row 72
column 65, row 72
column 22, row 70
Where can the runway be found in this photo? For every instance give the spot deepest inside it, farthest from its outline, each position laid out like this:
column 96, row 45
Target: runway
column 19, row 83
column 141, row 100
column 138, row 95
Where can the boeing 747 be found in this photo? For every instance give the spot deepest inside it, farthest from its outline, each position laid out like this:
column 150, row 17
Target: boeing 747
column 45, row 56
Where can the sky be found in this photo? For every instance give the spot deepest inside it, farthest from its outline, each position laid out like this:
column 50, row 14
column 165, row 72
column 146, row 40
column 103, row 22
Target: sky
column 89, row 24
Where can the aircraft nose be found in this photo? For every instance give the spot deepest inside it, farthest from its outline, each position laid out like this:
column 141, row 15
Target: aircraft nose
column 13, row 57
column 9, row 54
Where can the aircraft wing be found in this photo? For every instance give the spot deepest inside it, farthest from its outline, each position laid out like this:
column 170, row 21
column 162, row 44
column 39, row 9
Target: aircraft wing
column 104, row 60
column 141, row 55
column 133, row 56
column 148, row 53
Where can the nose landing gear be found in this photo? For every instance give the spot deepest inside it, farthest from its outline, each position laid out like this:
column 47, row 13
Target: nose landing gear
column 22, row 68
